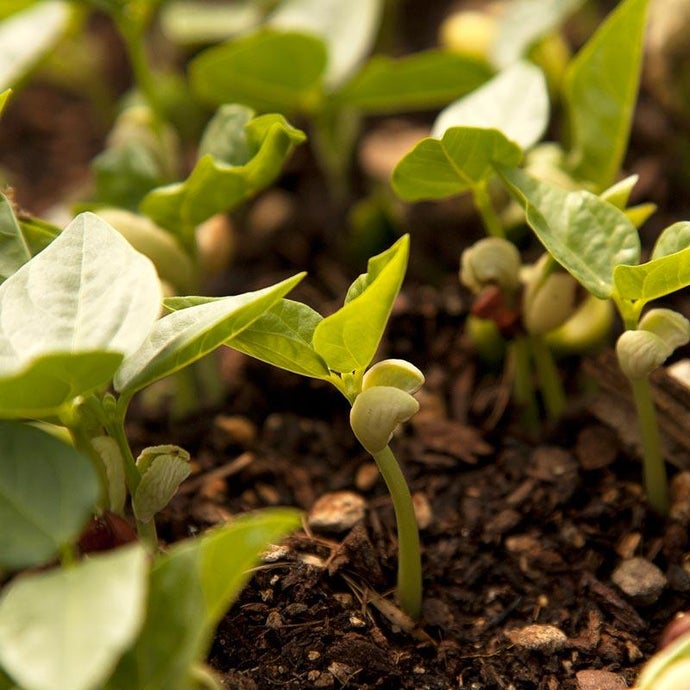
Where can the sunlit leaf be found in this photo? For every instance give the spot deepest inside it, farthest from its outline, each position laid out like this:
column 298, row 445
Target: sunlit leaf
column 27, row 36
column 184, row 336
column 267, row 70
column 48, row 490
column 67, row 628
column 657, row 278
column 347, row 340
column 600, row 91
column 283, row 337
column 515, row 102
column 160, row 482
column 587, row 236
column 462, row 159
column 88, row 290
column 4, row 97
column 424, row 80
column 673, row 239
column 192, row 586
column 347, row 28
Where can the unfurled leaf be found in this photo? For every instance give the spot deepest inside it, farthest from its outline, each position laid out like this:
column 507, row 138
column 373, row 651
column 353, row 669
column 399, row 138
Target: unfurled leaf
column 283, row 337
column 347, row 340
column 347, row 28
column 184, row 336
column 673, row 239
column 657, row 278
column 192, row 586
column 67, row 628
column 14, row 251
column 523, row 23
column 461, row 160
column 587, row 236
column 27, row 36
column 87, row 292
column 114, row 464
column 48, row 490
column 254, row 151
column 600, row 91
column 425, row 80
column 267, row 70
column 515, row 102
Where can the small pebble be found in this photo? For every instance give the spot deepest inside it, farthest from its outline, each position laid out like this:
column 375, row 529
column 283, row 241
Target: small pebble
column 422, row 510
column 337, row 511
column 640, row 579
column 234, row 429
column 596, row 447
column 680, row 498
column 599, row 680
column 539, row 638
column 367, row 476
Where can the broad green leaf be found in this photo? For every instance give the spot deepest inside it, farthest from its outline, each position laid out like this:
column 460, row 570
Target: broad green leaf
column 347, row 340
column 515, row 102
column 28, row 36
column 48, row 490
column 267, row 70
column 88, row 291
column 9, row 7
column 673, row 239
column 14, row 251
column 159, row 483
column 523, row 23
column 182, row 337
column 283, row 337
column 192, row 586
column 67, row 628
column 347, row 28
column 48, row 382
column 216, row 185
column 657, row 278
column 600, row 91
column 461, row 160
column 38, row 233
column 587, row 236
column 425, row 80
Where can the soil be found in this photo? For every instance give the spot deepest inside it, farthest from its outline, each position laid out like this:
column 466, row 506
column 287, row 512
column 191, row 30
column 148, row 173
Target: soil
column 522, row 537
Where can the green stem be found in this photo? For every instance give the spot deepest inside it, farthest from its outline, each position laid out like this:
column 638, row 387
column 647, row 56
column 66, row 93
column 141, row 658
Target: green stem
column 654, row 467
column 482, row 202
column 523, row 388
column 549, row 378
column 409, row 554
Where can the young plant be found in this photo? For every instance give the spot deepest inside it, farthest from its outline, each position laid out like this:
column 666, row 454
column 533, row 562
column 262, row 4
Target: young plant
column 599, row 246
column 669, row 668
column 339, row 349
column 309, row 58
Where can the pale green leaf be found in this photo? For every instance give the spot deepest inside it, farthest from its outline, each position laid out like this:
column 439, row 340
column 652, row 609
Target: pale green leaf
column 9, row 7
column 461, row 160
column 347, row 340
column 619, row 193
column 28, row 36
column 67, row 628
column 421, row 81
column 48, row 490
column 114, row 466
column 347, row 28
column 587, row 236
column 256, row 150
column 50, row 381
column 184, row 336
column 192, row 586
column 89, row 290
column 657, row 278
column 283, row 337
column 14, row 251
column 673, row 239
column 600, row 91
column 159, row 484
column 267, row 70
column 515, row 102
column 523, row 23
